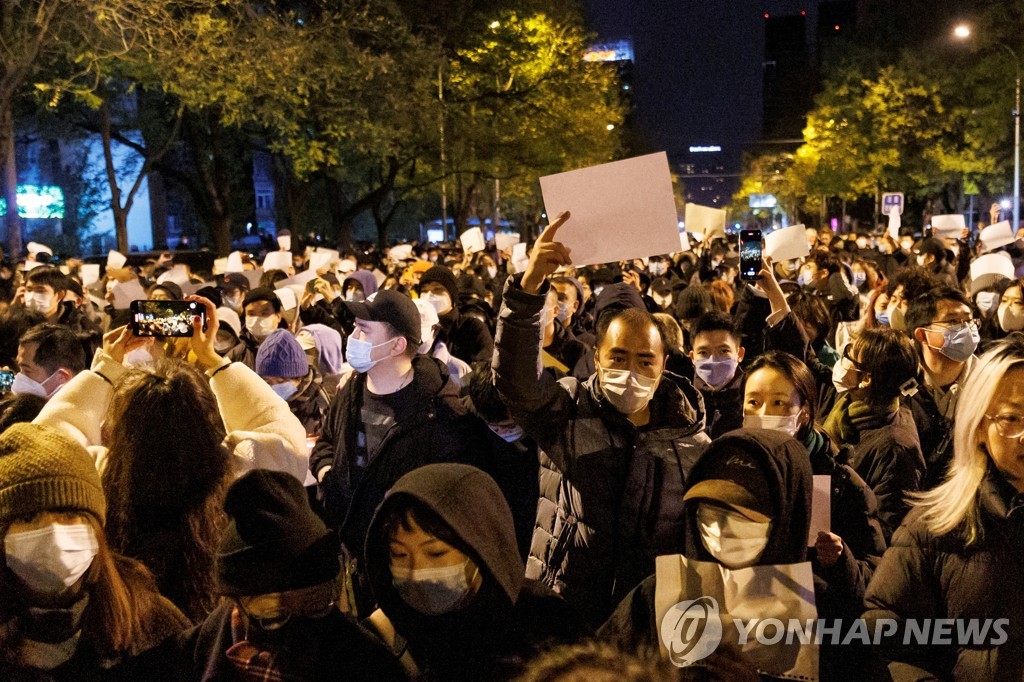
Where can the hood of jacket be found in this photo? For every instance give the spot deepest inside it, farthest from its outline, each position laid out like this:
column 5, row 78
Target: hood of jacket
column 786, row 466
column 473, row 507
column 676, row 403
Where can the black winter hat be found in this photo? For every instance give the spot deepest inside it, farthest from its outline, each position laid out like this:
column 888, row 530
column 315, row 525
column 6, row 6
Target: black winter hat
column 274, row 542
column 445, row 278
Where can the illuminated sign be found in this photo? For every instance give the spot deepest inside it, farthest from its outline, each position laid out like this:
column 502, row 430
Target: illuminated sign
column 37, row 201
column 763, row 201
column 709, row 148
column 619, row 51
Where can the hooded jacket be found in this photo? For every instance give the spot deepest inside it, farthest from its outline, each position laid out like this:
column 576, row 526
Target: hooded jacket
column 787, row 468
column 611, row 494
column 442, row 431
column 506, row 620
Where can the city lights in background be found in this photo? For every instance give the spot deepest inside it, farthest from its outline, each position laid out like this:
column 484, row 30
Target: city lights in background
column 618, row 51
column 705, row 149
column 962, row 31
column 42, row 202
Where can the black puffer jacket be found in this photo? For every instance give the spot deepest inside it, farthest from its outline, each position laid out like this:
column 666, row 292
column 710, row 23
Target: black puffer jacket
column 507, row 619
column 924, row 576
column 611, row 494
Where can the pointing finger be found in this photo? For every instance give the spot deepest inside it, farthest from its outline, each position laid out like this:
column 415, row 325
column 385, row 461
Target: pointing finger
column 548, row 235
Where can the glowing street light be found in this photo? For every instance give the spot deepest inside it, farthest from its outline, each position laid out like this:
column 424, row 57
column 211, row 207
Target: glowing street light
column 495, row 24
column 962, row 32
column 610, row 126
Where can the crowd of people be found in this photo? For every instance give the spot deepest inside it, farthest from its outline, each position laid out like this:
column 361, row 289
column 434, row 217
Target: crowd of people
column 423, row 463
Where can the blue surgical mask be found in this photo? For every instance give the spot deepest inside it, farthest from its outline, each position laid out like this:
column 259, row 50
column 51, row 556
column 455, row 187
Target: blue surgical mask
column 563, row 314
column 285, row 389
column 859, row 278
column 509, row 434
column 358, row 354
column 959, row 343
column 882, row 318
column 716, row 371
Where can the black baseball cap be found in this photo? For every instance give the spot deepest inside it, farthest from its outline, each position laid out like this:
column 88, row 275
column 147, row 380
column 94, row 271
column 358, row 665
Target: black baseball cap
column 392, row 307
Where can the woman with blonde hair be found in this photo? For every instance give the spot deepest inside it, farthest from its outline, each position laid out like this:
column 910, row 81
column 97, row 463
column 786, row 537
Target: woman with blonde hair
column 958, row 553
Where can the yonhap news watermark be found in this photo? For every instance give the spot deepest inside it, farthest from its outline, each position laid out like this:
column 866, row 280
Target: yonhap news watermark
column 692, row 630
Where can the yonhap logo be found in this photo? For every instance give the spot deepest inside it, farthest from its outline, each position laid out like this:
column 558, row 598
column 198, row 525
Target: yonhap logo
column 691, row 630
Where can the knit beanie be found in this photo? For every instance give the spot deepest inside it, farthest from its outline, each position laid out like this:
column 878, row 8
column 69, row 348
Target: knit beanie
column 274, row 542
column 42, row 470
column 280, row 355
column 445, row 278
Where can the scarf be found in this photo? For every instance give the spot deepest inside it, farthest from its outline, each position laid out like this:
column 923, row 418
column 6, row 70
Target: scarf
column 850, row 416
column 287, row 656
column 50, row 635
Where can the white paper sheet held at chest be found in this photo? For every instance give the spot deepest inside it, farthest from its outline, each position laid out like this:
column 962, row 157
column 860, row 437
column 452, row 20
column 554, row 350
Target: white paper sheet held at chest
column 126, row 292
column 789, row 243
column 620, row 210
column 821, row 508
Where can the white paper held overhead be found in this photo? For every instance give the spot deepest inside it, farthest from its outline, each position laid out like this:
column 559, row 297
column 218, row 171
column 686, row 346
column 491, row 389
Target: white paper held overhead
column 620, row 210
column 705, row 220
column 472, row 240
column 789, row 243
column 951, row 225
column 126, row 292
column 994, row 236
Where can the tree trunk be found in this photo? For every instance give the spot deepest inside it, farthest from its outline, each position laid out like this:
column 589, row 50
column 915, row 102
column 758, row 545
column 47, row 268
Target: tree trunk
column 12, row 221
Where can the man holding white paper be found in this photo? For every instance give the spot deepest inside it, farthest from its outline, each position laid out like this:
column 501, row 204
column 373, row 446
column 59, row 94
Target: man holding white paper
column 616, row 448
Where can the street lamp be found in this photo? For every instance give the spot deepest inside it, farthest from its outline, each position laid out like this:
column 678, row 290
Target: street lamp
column 962, row 32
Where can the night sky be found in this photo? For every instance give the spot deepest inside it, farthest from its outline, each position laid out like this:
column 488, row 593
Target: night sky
column 697, row 72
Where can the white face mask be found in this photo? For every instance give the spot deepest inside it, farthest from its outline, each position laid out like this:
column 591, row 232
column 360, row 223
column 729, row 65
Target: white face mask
column 629, row 392
column 260, row 327
column 433, row 591
column 51, row 559
column 41, row 303
column 233, row 302
column 843, row 377
column 442, row 302
column 354, row 296
column 896, row 317
column 735, row 541
column 789, row 423
column 24, row 385
column 987, row 302
column 492, row 271
column 1009, row 319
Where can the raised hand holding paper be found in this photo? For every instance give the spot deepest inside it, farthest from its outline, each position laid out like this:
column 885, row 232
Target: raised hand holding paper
column 994, row 236
column 951, row 225
column 705, row 220
column 472, row 240
column 894, row 223
column 620, row 210
column 789, row 243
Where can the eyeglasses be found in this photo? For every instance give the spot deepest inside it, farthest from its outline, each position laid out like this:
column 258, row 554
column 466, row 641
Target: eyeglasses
column 852, row 364
column 1008, row 425
column 957, row 325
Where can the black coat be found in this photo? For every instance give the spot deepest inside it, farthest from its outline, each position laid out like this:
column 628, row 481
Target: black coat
column 333, row 647
column 928, row 576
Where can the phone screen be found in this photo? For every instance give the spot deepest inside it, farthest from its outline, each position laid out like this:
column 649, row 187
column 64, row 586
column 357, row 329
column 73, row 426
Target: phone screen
column 750, row 254
column 6, row 380
column 165, row 318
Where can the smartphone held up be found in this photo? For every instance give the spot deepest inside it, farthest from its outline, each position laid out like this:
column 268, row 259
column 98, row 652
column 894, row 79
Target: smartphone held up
column 165, row 318
column 750, row 254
